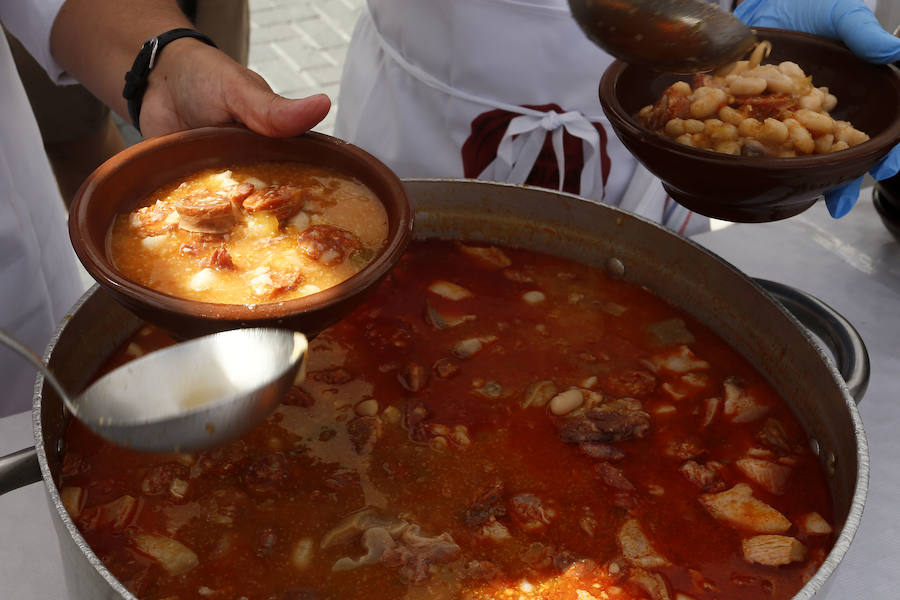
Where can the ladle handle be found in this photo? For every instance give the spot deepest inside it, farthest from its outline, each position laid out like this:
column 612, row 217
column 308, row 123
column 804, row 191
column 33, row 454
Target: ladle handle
column 19, row 469
column 28, row 354
column 835, row 331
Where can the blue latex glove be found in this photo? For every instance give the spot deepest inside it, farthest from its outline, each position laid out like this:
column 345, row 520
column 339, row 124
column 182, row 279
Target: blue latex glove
column 851, row 22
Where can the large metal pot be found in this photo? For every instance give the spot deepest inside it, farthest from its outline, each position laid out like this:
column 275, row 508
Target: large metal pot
column 735, row 306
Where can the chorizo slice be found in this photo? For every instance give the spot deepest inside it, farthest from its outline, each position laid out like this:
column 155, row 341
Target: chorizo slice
column 283, row 201
column 240, row 192
column 203, row 212
column 327, row 244
column 155, row 219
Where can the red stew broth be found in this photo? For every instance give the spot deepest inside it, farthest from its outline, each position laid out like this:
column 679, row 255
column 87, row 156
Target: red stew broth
column 253, row 233
column 531, row 515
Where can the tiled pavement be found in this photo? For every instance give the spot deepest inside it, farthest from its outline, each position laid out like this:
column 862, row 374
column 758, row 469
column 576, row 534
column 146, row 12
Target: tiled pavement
column 299, row 46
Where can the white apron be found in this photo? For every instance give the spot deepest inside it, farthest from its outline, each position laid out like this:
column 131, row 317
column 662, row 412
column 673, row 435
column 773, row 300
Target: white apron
column 39, row 277
column 504, row 90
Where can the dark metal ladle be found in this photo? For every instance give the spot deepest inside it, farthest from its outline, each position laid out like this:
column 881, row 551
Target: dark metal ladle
column 677, row 36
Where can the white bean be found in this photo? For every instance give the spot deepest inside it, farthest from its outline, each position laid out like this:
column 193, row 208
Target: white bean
column 747, row 86
column 706, row 104
column 367, row 408
column 674, row 127
column 565, row 402
column 773, row 130
column 817, row 123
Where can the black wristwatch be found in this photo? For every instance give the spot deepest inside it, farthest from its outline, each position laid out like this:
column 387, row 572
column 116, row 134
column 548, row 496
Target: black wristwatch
column 136, row 78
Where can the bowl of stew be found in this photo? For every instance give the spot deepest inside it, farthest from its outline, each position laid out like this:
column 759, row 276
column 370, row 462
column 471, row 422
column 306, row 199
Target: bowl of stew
column 216, row 228
column 810, row 116
column 548, row 399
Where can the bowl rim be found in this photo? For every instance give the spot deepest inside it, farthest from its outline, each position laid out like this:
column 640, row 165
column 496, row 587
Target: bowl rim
column 872, row 149
column 96, row 261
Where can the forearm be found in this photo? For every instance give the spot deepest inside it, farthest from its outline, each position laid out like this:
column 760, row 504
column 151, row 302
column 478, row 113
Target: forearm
column 96, row 41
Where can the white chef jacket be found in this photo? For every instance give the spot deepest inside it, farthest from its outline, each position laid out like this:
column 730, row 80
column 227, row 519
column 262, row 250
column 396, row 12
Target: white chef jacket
column 39, row 278
column 424, row 79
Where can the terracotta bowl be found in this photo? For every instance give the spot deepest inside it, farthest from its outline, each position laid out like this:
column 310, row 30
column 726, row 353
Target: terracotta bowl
column 756, row 189
column 126, row 179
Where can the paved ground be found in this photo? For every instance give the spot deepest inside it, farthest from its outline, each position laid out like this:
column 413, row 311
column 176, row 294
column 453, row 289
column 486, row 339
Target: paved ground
column 299, row 46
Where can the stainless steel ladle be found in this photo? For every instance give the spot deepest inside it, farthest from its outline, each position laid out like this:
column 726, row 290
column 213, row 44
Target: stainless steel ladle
column 677, row 36
column 189, row 396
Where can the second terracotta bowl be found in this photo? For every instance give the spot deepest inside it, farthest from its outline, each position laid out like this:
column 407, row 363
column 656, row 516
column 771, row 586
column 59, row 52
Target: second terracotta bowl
column 755, row 189
column 125, row 180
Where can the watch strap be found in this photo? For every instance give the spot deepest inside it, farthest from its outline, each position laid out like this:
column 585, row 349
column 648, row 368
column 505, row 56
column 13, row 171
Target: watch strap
column 146, row 59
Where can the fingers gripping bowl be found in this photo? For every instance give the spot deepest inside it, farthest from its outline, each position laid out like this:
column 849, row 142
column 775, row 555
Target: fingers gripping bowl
column 147, row 175
column 762, row 188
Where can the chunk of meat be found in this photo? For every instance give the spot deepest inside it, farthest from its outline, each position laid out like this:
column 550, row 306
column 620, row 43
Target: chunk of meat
column 486, row 505
column 494, row 531
column 480, row 570
column 328, row 244
column 267, row 283
column 653, row 584
column 685, row 449
column 282, row 201
column 172, row 555
column 704, row 476
column 441, row 321
column 413, row 377
column 678, row 360
column 354, row 525
column 773, row 436
column 814, row 524
column 767, row 106
column 738, row 508
column 710, row 410
column 489, row 256
column 449, row 290
column 539, row 393
column 619, row 420
column 636, row 547
column 773, row 550
column 204, row 212
column 364, row 433
column 740, row 406
column 219, row 259
column 159, row 479
column 614, row 477
column 116, row 514
column 73, row 499
column 469, row 347
column 770, row 476
column 395, row 543
column 671, row 332
column 602, row 451
column 529, row 512
column 673, row 103
column 445, row 368
column 153, row 220
column 413, row 553
column 633, row 383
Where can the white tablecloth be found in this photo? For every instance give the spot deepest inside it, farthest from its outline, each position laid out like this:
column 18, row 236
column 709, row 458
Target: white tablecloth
column 852, row 264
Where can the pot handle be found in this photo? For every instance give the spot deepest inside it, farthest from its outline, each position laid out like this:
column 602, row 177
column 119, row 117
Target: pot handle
column 836, row 332
column 19, row 469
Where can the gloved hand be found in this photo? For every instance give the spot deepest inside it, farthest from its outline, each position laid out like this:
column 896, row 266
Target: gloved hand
column 851, row 22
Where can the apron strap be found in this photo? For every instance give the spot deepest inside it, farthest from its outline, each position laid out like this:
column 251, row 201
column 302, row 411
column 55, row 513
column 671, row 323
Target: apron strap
column 524, row 137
